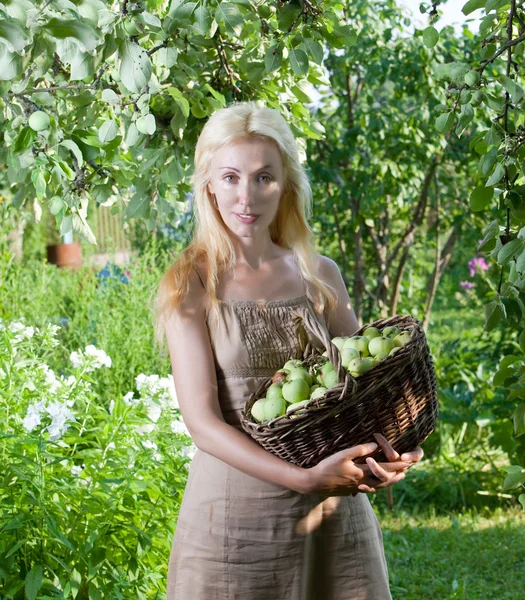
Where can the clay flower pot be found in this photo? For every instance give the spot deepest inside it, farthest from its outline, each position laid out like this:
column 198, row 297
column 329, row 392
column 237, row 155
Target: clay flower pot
column 65, row 255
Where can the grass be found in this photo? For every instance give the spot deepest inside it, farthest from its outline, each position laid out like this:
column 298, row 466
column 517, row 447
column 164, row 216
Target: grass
column 469, row 556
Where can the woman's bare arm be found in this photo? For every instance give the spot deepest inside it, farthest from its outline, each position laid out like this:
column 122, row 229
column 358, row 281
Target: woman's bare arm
column 196, row 385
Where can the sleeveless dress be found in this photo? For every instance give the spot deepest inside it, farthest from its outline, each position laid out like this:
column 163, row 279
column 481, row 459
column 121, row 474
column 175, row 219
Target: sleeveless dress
column 238, row 537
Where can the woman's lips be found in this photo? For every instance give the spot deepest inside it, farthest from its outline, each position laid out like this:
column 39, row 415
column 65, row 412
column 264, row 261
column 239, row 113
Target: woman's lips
column 250, row 220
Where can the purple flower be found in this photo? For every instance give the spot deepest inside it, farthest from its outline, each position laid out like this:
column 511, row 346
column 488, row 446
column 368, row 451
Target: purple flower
column 477, row 261
column 466, row 285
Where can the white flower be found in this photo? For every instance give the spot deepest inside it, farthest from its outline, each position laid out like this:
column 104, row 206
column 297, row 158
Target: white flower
column 142, row 429
column 111, row 446
column 76, row 359
column 2, row 374
column 150, row 445
column 60, row 414
column 76, row 470
column 21, row 330
column 158, row 457
column 154, row 411
column 128, row 399
column 71, row 380
column 50, row 378
column 111, row 407
column 189, row 451
column 33, row 416
column 91, row 359
column 180, row 428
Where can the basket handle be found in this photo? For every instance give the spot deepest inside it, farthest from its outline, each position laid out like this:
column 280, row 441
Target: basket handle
column 303, row 318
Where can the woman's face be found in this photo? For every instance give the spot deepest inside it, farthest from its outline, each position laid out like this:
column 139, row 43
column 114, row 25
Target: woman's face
column 247, row 178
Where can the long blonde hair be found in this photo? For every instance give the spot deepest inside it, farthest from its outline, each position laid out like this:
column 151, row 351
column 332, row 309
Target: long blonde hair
column 211, row 244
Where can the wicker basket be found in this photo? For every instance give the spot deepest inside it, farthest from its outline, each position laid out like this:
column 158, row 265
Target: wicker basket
column 396, row 398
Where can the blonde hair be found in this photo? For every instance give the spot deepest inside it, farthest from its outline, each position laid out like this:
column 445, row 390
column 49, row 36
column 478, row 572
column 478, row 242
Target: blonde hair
column 211, row 243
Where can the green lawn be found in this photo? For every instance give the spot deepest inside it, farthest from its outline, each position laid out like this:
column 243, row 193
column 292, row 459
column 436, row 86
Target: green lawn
column 457, row 557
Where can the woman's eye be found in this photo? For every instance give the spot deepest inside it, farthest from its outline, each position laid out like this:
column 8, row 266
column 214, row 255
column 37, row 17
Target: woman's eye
column 265, row 178
column 227, row 178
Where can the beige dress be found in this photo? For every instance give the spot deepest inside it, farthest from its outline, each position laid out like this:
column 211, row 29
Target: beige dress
column 241, row 538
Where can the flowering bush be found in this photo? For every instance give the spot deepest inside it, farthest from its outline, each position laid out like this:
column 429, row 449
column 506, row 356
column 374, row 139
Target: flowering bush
column 91, row 486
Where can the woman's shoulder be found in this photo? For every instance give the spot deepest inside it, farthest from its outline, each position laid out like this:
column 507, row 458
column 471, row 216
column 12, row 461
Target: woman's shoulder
column 325, row 268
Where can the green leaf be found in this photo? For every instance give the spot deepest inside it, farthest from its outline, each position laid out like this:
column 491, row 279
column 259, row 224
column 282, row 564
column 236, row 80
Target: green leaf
column 24, row 140
column 70, row 145
column 299, row 61
column 487, row 162
column 217, row 95
column 202, row 20
column 183, row 104
column 508, row 251
column 75, row 581
column 33, row 582
column 81, row 31
column 10, row 64
column 135, row 67
column 515, row 477
column 146, row 124
column 430, row 37
column 273, row 58
column 82, row 65
column 493, row 313
column 496, row 176
column 38, row 179
column 13, row 35
column 229, row 15
column 521, row 499
column 472, row 5
column 313, row 49
column 138, row 206
column 481, row 197
column 515, row 91
column 172, row 174
column 108, row 131
column 445, row 122
column 501, row 375
column 56, row 204
column 518, row 416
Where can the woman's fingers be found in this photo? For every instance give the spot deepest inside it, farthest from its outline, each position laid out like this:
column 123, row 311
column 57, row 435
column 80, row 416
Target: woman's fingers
column 388, row 451
column 414, row 456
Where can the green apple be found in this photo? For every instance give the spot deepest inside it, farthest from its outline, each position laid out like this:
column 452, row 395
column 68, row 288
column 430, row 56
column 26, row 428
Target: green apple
column 359, row 342
column 274, row 407
column 258, row 410
column 291, row 364
column 275, row 391
column 328, row 367
column 349, row 354
column 380, row 356
column 296, row 390
column 314, row 387
column 300, row 372
column 330, row 380
column 380, row 344
column 318, row 393
column 371, row 332
column 394, row 350
column 390, row 331
column 39, row 121
column 292, row 407
column 339, row 342
column 402, row 338
column 359, row 366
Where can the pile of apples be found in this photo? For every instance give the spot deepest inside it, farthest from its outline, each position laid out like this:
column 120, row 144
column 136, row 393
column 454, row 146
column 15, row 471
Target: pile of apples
column 295, row 384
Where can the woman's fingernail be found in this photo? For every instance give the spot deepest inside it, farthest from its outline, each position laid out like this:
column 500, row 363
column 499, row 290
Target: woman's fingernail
column 405, row 457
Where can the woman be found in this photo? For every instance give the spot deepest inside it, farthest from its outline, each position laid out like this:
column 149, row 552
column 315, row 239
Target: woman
column 251, row 525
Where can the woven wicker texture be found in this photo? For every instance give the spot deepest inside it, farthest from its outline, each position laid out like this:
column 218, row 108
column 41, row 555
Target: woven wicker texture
column 397, row 398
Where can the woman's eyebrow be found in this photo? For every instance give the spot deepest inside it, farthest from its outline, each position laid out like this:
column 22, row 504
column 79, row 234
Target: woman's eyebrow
column 237, row 170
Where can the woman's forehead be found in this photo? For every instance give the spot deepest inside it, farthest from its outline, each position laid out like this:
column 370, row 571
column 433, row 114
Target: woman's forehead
column 246, row 151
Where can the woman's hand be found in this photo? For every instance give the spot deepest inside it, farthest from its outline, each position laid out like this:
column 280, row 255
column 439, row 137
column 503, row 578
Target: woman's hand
column 410, row 458
column 338, row 475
